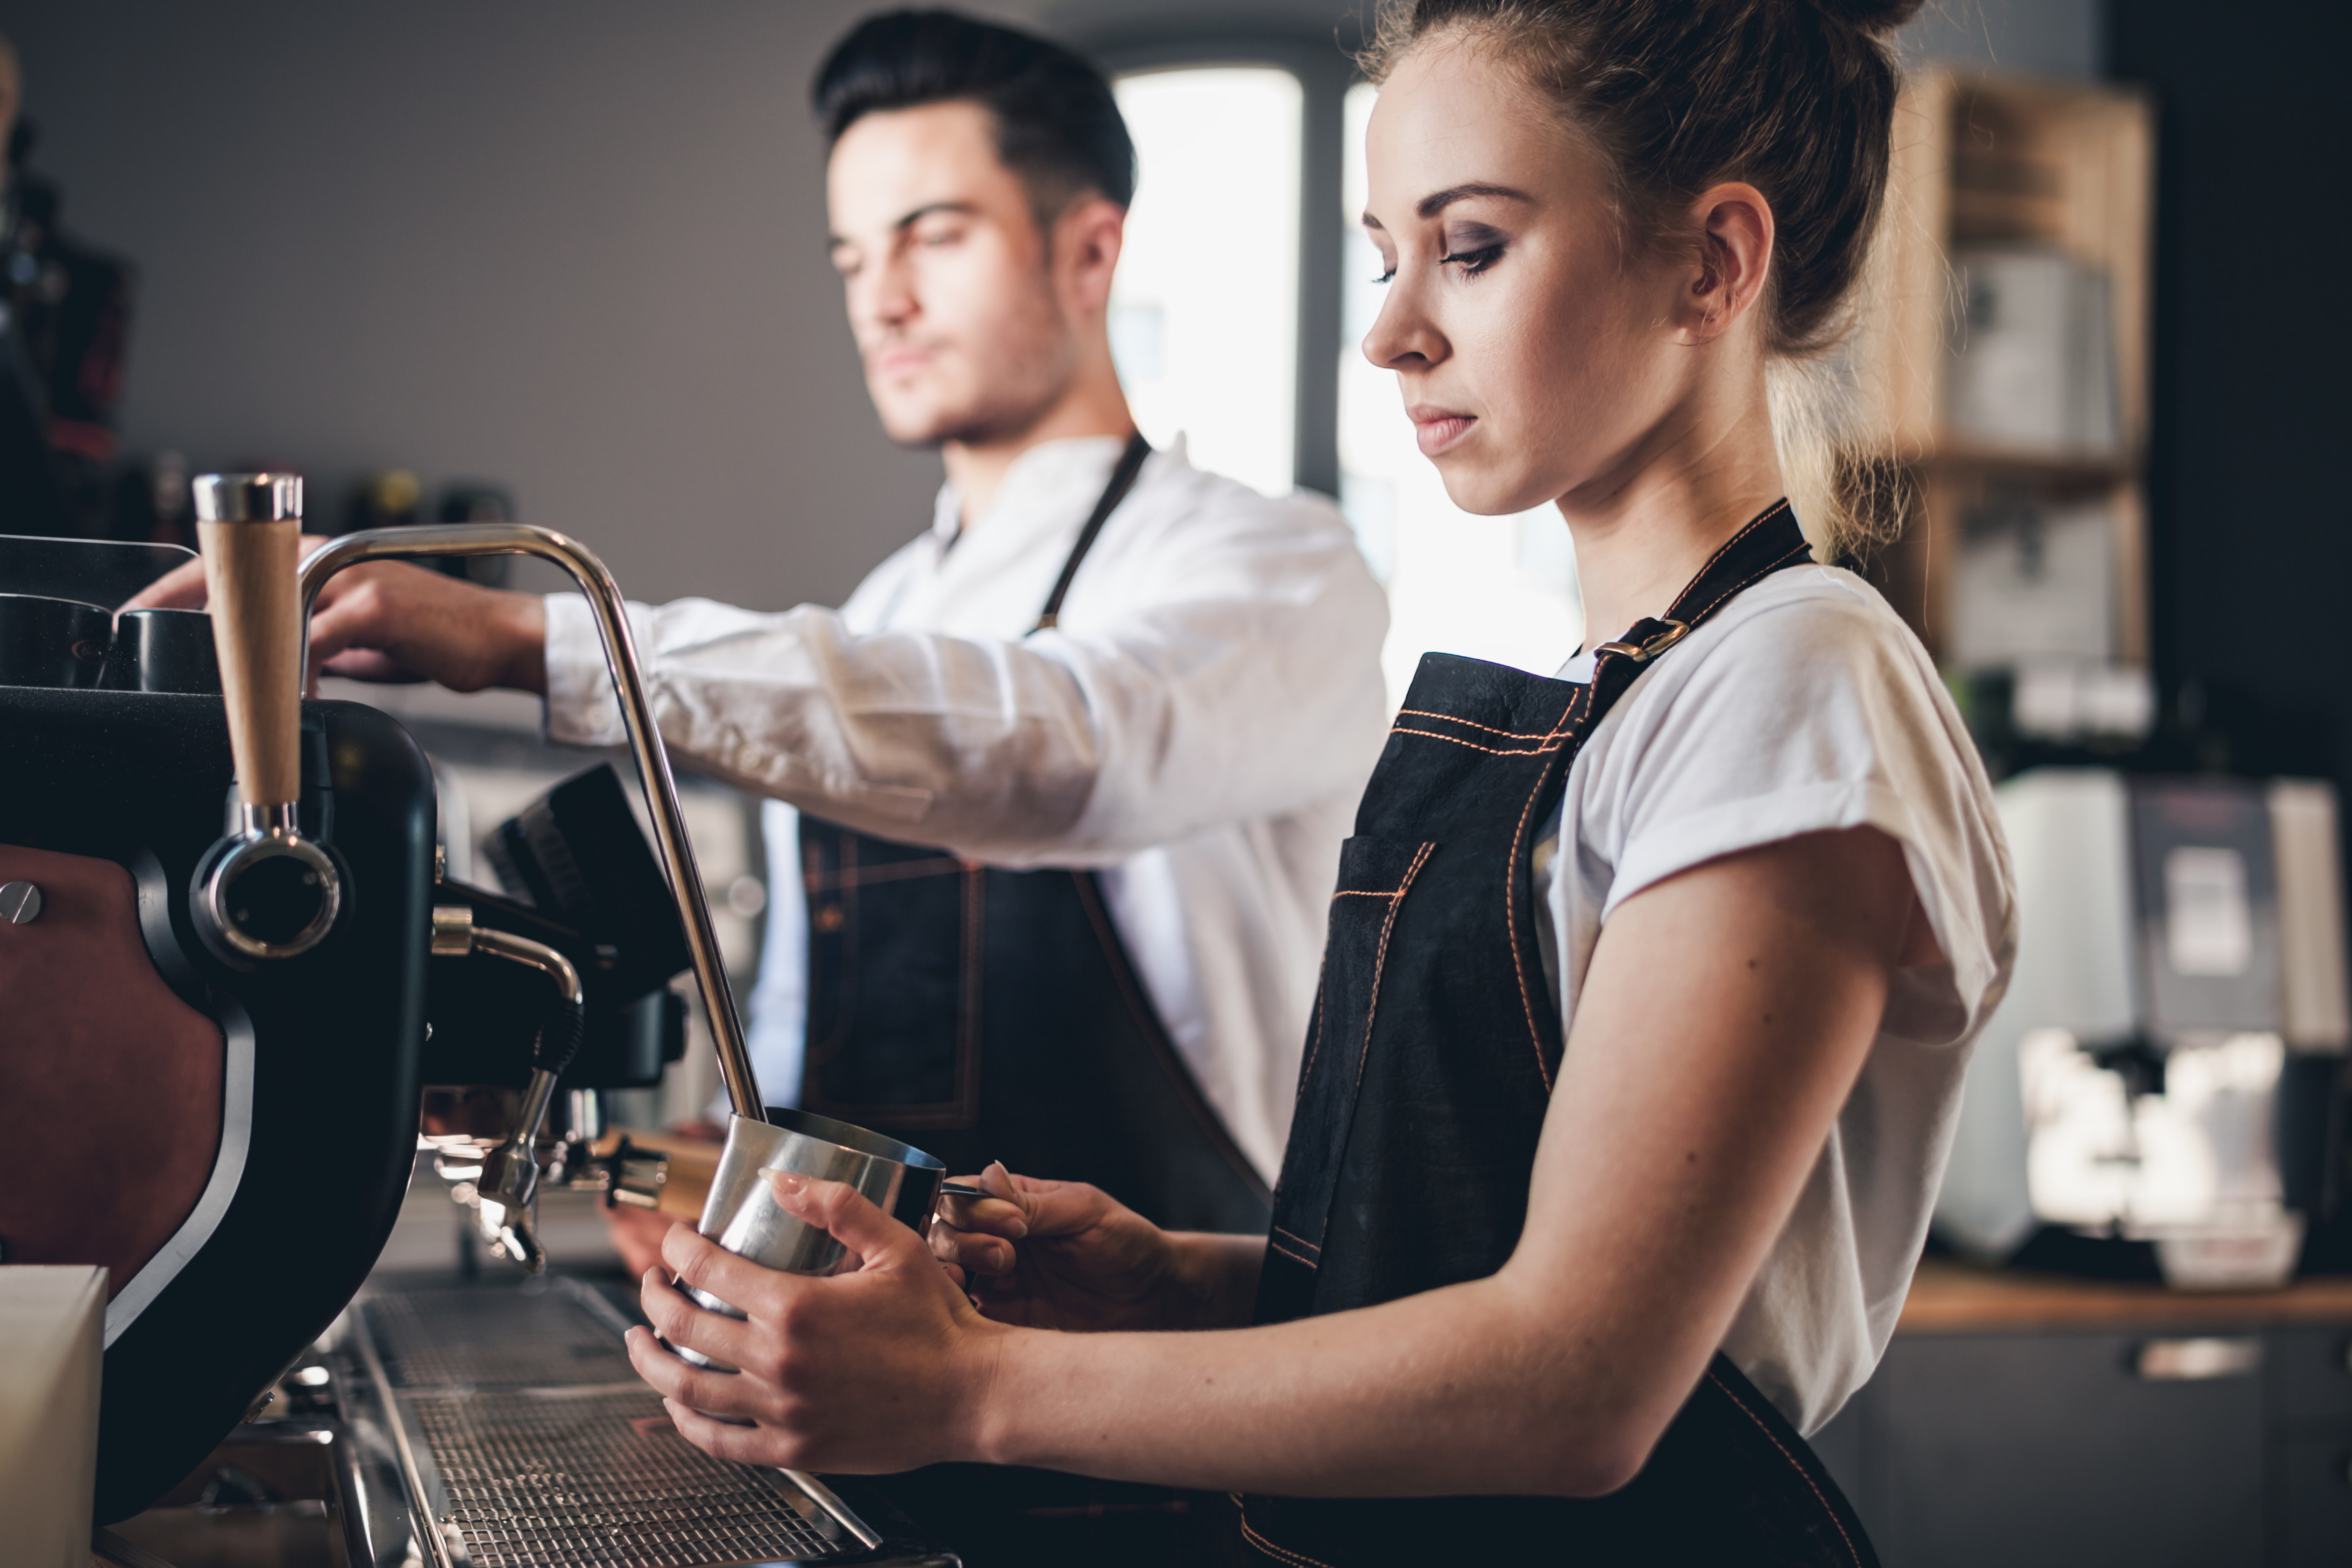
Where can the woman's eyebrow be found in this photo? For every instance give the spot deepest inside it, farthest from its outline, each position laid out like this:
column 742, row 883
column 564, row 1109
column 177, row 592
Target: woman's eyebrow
column 1438, row 201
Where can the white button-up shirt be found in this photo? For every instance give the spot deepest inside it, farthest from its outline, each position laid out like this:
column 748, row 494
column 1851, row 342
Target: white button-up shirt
column 1197, row 729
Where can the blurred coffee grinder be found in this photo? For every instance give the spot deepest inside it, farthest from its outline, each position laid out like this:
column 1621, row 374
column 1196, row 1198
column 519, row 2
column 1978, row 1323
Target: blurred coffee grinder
column 2168, row 1067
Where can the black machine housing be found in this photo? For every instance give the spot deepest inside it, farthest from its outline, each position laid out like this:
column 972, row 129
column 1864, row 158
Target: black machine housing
column 328, row 1050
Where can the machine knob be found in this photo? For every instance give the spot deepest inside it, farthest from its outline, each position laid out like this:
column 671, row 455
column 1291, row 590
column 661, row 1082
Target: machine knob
column 20, row 903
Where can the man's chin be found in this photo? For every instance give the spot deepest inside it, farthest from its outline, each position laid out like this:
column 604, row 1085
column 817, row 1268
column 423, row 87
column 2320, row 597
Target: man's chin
column 935, row 428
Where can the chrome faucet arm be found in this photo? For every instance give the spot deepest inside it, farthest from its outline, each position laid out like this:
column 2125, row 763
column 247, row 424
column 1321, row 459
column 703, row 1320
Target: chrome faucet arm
column 620, row 661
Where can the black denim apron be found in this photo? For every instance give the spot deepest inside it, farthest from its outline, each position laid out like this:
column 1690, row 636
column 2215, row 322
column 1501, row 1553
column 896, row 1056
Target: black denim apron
column 983, row 1014
column 1429, row 1068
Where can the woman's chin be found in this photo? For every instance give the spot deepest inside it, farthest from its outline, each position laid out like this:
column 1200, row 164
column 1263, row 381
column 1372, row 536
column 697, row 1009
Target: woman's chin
column 1482, row 493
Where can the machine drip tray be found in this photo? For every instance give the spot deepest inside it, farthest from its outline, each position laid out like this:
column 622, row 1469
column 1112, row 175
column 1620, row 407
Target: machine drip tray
column 527, row 1439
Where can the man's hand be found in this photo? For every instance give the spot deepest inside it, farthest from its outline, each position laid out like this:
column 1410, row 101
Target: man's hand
column 388, row 620
column 637, row 1235
column 1064, row 1255
column 878, row 1370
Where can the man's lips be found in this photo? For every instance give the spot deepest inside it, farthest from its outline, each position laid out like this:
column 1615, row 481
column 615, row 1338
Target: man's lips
column 1438, row 430
column 903, row 360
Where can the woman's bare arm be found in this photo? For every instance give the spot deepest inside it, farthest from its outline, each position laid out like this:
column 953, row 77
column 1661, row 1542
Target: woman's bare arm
column 1724, row 1020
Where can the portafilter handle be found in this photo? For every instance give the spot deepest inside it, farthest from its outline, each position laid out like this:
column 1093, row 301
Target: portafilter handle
column 264, row 891
column 610, row 612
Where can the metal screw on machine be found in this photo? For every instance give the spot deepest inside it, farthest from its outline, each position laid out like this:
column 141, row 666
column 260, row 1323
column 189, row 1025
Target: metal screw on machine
column 20, row 903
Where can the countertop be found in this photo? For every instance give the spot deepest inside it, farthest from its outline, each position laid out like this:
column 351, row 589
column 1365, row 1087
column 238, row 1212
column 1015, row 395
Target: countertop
column 1948, row 1298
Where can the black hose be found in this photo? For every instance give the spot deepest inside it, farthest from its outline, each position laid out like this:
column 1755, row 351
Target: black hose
column 559, row 1038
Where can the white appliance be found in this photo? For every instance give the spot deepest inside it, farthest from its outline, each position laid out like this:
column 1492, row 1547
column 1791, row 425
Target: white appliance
column 2167, row 1066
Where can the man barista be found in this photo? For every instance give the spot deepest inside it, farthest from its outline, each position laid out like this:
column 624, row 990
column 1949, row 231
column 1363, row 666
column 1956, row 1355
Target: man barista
column 1057, row 795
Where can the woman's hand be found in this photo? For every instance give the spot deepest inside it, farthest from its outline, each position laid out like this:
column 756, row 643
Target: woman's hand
column 387, row 620
column 1064, row 1255
column 878, row 1370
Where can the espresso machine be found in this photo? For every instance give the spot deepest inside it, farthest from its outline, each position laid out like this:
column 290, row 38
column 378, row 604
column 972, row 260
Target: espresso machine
column 231, row 969
column 2167, row 1071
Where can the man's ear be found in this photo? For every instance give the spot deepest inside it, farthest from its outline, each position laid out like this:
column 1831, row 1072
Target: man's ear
column 1726, row 279
column 1087, row 241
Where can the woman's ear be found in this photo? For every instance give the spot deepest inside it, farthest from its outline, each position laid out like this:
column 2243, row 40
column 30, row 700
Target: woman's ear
column 1735, row 253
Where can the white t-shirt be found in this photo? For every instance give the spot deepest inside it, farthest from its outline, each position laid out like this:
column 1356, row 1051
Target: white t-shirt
column 1806, row 704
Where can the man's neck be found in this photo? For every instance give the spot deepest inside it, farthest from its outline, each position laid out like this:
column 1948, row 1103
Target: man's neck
column 1094, row 407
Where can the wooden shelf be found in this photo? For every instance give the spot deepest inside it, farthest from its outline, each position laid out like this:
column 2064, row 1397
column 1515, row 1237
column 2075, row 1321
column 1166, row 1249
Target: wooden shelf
column 1948, row 1298
column 1982, row 159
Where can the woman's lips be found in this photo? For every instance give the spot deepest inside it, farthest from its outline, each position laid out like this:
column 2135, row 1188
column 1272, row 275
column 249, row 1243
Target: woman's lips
column 1438, row 430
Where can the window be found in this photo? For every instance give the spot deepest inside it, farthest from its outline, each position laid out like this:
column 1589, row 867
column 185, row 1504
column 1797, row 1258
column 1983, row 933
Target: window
column 1204, row 312
column 1226, row 313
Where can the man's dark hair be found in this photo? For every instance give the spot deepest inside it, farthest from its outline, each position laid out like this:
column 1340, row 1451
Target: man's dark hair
column 1058, row 128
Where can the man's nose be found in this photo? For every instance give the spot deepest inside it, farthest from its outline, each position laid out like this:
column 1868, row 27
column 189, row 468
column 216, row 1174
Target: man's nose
column 885, row 294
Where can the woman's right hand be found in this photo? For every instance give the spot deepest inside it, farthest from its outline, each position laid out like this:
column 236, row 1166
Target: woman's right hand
column 1064, row 1255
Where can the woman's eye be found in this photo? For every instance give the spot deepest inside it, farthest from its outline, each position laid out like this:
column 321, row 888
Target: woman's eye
column 1474, row 262
column 1387, row 277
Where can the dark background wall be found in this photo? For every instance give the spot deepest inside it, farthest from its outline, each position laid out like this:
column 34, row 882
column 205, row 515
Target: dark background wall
column 2250, row 547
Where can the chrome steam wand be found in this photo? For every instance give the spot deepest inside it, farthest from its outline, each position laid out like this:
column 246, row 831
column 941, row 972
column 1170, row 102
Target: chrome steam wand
column 644, row 739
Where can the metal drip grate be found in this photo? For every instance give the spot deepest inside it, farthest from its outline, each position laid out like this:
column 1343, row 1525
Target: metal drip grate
column 550, row 1452
column 601, row 1477
column 493, row 1339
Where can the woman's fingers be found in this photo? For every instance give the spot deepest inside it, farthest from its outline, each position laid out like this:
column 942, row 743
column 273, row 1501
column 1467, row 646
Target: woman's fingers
column 702, row 1263
column 725, row 1393
column 989, row 1217
column 741, row 1445
column 974, row 1254
column 682, row 1323
column 848, row 1215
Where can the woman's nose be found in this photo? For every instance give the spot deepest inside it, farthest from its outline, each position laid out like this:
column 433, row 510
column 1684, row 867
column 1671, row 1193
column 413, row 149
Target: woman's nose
column 1403, row 335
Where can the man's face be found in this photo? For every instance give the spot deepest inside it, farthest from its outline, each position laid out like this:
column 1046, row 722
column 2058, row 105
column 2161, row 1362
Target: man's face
column 951, row 293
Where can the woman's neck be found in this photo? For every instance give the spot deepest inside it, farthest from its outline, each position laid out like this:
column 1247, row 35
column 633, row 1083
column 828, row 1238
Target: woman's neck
column 1644, row 532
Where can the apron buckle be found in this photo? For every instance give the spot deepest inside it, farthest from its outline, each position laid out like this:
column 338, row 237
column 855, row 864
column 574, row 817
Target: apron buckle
column 1650, row 646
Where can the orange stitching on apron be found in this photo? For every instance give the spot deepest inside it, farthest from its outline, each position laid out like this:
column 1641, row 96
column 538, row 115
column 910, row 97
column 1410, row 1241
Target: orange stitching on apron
column 1490, row 751
column 1298, row 1238
column 1307, row 1262
column 1470, row 724
column 1577, row 707
column 1316, row 1044
column 1850, row 1552
column 1708, row 608
column 1280, row 1554
column 1381, row 959
column 1775, row 510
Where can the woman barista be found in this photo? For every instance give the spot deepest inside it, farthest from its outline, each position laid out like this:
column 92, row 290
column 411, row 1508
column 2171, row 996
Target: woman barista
column 1648, row 988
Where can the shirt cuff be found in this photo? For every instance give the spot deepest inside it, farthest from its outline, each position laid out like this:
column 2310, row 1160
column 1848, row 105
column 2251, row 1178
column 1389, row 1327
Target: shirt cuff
column 581, row 707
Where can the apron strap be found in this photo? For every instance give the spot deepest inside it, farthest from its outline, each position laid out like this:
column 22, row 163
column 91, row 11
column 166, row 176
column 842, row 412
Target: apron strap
column 1131, row 463
column 1770, row 540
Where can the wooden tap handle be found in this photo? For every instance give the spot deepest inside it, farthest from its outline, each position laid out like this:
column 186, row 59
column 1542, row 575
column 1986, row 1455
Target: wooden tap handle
column 249, row 527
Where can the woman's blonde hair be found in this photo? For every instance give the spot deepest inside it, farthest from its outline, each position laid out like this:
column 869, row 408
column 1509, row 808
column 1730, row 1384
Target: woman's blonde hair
column 1794, row 96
